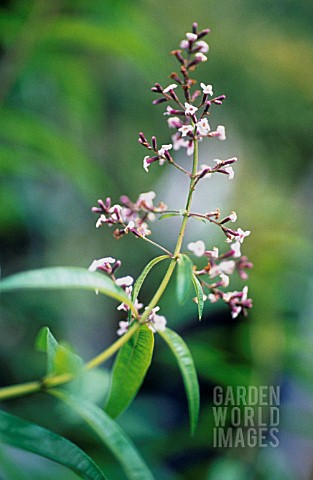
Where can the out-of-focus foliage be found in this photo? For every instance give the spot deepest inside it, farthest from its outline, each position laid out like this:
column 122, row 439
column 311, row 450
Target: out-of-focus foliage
column 74, row 92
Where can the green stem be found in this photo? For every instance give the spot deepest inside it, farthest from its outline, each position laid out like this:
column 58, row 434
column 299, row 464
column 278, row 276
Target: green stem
column 53, row 381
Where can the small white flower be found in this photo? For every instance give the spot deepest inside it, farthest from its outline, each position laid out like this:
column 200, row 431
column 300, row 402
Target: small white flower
column 170, row 87
column 129, row 226
column 123, row 327
column 235, row 310
column 165, row 147
column 204, row 47
column 124, row 281
column 158, row 323
column 235, row 247
column 198, row 248
column 201, row 57
column 212, row 253
column 147, row 198
column 184, row 44
column 221, row 132
column 179, row 142
column 190, row 148
column 213, row 297
column 190, row 109
column 227, row 267
column 242, row 235
column 224, row 280
column 230, row 172
column 174, row 122
column 185, row 129
column 233, row 216
column 98, row 263
column 203, row 126
column 207, row 89
column 146, row 164
column 100, row 220
column 192, row 37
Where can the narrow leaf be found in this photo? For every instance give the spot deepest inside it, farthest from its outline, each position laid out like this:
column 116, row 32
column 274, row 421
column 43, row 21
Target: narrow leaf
column 143, row 275
column 65, row 278
column 129, row 371
column 188, row 371
column 33, row 438
column 111, row 435
column 168, row 215
column 60, row 357
column 199, row 294
column 45, row 342
column 184, row 277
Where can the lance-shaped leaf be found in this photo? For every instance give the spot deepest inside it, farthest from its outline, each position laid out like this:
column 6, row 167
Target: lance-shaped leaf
column 33, row 438
column 65, row 278
column 110, row 434
column 184, row 277
column 199, row 294
column 144, row 273
column 129, row 371
column 188, row 371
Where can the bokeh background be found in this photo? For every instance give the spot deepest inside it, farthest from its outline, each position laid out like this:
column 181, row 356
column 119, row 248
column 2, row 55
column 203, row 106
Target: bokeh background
column 74, row 93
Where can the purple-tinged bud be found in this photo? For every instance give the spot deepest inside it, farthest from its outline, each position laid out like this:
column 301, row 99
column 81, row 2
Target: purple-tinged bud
column 179, row 56
column 194, row 28
column 229, row 161
column 175, row 77
column 203, row 33
column 159, row 100
column 157, row 88
column 117, row 264
column 142, row 137
column 168, row 156
column 154, row 143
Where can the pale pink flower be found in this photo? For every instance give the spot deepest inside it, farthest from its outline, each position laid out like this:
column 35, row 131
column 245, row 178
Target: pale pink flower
column 190, row 109
column 203, row 126
column 230, row 172
column 170, row 87
column 174, row 122
column 235, row 247
column 185, row 129
column 123, row 327
column 184, row 44
column 165, row 148
column 192, row 37
column 146, row 165
column 242, row 235
column 207, row 89
column 221, row 132
column 201, row 57
column 204, row 47
column 124, row 281
column 100, row 220
column 99, row 263
column 198, row 248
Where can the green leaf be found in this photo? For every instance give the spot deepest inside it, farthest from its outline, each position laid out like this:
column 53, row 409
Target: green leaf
column 188, row 371
column 129, row 371
column 199, row 294
column 45, row 342
column 184, row 277
column 169, row 215
column 144, row 273
column 65, row 278
column 60, row 357
column 110, row 434
column 33, row 438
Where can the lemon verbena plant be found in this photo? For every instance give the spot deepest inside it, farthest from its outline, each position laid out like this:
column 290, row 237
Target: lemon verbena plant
column 188, row 113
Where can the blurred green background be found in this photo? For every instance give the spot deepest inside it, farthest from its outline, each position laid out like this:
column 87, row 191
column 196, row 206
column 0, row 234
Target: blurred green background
column 74, row 93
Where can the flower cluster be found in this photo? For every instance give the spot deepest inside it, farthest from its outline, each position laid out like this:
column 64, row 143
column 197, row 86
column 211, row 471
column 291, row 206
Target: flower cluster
column 129, row 217
column 189, row 115
column 219, row 267
column 109, row 265
column 188, row 110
